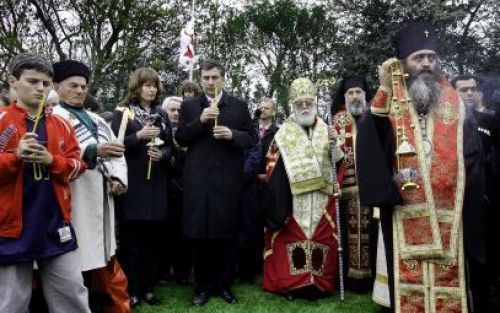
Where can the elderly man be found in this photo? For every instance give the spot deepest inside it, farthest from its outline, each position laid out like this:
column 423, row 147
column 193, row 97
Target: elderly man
column 92, row 201
column 419, row 160
column 178, row 264
column 356, row 220
column 39, row 157
column 301, row 254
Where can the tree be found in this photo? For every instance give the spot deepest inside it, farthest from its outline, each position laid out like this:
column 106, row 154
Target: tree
column 280, row 41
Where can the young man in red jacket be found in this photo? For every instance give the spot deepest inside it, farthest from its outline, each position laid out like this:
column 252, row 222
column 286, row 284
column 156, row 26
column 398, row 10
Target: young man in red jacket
column 39, row 156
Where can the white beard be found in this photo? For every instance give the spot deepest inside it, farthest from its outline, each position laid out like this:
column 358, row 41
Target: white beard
column 307, row 119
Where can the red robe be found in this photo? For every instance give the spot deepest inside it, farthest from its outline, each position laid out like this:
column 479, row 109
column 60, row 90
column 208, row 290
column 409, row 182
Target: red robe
column 292, row 260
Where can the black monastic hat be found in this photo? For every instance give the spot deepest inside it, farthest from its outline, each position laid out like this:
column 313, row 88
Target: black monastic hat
column 68, row 68
column 349, row 81
column 415, row 36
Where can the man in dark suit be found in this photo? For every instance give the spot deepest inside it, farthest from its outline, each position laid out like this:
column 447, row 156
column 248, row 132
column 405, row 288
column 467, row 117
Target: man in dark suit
column 216, row 128
column 487, row 123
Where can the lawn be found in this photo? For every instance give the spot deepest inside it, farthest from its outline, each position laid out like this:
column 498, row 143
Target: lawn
column 252, row 299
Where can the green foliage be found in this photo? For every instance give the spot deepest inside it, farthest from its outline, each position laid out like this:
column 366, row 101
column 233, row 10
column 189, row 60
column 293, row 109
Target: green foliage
column 264, row 44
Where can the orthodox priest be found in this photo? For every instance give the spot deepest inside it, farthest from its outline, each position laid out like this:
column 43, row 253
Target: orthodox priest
column 418, row 155
column 356, row 220
column 301, row 253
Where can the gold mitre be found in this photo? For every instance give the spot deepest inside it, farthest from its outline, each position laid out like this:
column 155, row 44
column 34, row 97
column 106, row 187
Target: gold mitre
column 302, row 89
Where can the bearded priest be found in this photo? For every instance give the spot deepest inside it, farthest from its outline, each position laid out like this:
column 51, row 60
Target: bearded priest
column 301, row 248
column 419, row 159
column 358, row 229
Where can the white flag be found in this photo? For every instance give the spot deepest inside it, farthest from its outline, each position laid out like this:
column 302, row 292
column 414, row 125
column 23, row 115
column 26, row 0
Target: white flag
column 186, row 51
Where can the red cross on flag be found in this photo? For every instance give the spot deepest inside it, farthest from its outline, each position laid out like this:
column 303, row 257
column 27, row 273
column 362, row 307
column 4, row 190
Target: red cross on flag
column 186, row 51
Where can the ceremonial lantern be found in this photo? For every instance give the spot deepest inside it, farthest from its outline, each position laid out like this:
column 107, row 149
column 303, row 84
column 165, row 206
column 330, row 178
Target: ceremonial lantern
column 406, row 177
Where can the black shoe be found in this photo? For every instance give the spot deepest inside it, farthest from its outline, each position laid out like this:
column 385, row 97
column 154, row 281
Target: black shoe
column 151, row 299
column 200, row 298
column 134, row 301
column 228, row 296
column 289, row 296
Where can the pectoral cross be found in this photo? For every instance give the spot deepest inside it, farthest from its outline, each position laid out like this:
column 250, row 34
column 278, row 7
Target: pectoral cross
column 426, row 32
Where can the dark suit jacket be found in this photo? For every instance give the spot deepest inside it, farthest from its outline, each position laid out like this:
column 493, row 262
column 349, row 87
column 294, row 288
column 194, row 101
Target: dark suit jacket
column 213, row 170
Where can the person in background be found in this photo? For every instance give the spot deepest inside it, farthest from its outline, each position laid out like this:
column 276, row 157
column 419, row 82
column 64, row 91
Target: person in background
column 52, row 98
column 176, row 266
column 92, row 104
column 251, row 237
column 348, row 105
column 190, row 89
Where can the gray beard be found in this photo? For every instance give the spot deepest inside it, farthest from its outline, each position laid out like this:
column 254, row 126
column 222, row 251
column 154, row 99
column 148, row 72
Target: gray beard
column 424, row 90
column 356, row 108
column 307, row 120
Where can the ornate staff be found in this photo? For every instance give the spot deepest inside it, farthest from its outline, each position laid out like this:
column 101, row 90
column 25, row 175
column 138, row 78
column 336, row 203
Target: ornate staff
column 336, row 195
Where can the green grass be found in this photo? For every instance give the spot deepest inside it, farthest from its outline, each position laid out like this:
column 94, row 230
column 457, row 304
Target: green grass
column 252, row 299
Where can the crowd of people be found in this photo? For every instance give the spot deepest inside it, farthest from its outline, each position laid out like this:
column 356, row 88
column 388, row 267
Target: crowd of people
column 394, row 195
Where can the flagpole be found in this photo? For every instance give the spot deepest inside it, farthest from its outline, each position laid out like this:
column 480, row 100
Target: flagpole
column 192, row 18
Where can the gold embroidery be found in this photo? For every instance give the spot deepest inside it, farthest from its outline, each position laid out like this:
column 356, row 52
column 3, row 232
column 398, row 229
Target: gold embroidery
column 306, row 256
column 447, row 113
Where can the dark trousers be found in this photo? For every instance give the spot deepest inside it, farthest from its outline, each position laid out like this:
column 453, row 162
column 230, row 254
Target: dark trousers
column 478, row 285
column 139, row 246
column 213, row 261
column 250, row 241
column 175, row 265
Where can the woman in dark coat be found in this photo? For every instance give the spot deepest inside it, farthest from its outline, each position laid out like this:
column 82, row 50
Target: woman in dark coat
column 143, row 208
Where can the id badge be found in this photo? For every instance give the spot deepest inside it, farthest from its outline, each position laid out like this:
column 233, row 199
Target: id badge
column 64, row 234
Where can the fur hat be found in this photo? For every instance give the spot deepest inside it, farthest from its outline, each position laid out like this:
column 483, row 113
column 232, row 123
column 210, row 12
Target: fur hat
column 69, row 68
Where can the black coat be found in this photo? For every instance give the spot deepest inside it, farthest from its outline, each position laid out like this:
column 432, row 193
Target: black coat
column 266, row 142
column 145, row 200
column 213, row 170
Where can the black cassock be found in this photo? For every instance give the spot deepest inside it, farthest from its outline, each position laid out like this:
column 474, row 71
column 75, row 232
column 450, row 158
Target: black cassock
column 375, row 156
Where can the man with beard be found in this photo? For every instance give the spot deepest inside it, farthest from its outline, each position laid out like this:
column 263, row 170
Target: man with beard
column 419, row 161
column 347, row 107
column 301, row 253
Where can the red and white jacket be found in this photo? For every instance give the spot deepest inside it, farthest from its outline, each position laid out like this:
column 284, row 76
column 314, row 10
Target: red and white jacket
column 67, row 166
